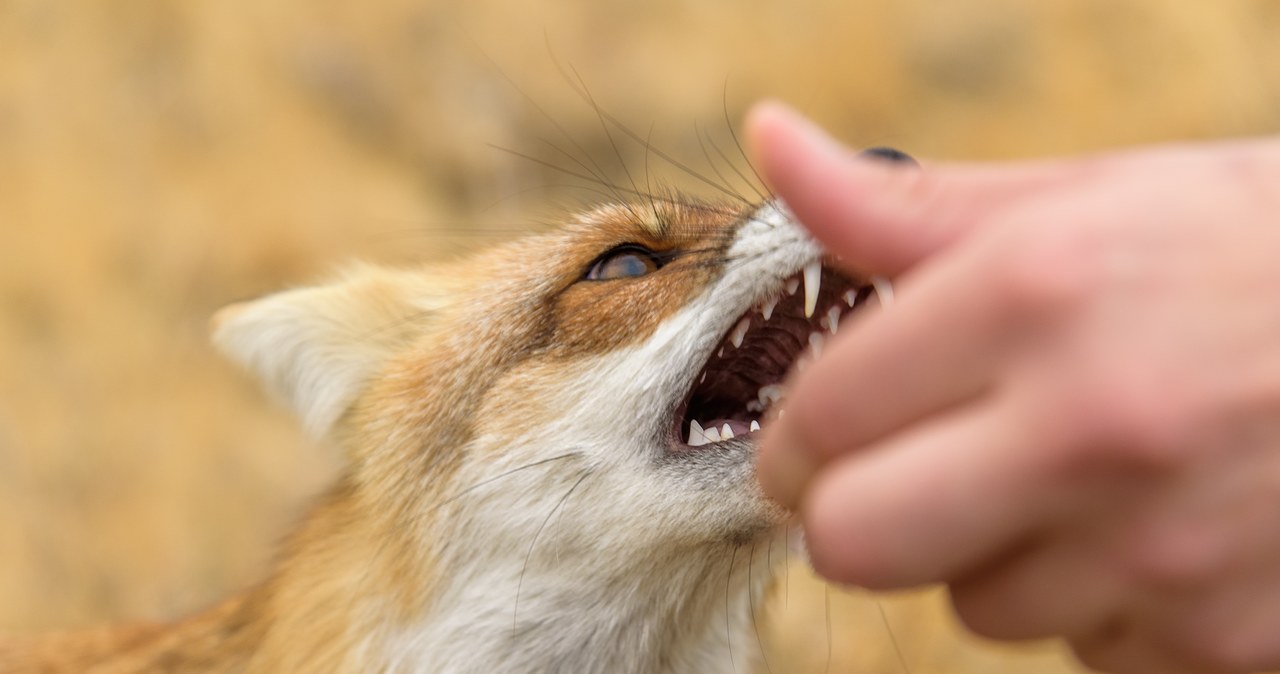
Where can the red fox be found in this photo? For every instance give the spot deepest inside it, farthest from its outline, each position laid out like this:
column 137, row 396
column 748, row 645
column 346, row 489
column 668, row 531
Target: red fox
column 550, row 456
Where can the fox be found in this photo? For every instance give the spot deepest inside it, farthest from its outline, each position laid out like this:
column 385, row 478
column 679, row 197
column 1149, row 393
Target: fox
column 549, row 455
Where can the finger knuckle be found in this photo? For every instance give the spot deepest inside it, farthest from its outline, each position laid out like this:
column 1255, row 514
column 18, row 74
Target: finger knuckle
column 1128, row 418
column 1047, row 270
column 1171, row 558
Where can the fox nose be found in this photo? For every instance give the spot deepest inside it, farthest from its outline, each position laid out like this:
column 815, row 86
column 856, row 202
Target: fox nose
column 888, row 154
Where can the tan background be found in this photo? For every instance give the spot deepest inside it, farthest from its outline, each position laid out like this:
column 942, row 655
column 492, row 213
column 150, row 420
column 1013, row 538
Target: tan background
column 160, row 158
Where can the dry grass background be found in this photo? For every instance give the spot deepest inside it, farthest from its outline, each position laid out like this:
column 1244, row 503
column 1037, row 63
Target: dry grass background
column 161, row 158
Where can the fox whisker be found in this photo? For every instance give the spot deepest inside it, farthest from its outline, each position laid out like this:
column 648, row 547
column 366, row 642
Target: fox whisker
column 515, row 611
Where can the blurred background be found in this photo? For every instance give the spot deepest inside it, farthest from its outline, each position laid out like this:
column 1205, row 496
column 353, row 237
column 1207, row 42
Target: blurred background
column 159, row 159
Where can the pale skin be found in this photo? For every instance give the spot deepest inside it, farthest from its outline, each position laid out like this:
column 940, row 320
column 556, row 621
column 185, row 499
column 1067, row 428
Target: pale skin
column 1070, row 415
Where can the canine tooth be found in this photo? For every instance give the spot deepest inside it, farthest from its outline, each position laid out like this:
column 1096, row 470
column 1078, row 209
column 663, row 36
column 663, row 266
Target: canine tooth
column 850, row 297
column 769, row 394
column 884, row 289
column 812, row 283
column 792, row 285
column 755, row 425
column 697, row 437
column 740, row 331
column 815, row 342
column 833, row 318
column 726, row 433
column 755, row 406
column 720, row 353
column 712, row 434
column 767, row 309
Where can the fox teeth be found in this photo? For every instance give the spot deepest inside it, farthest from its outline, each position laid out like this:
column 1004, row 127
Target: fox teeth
column 792, row 286
column 697, row 437
column 815, row 342
column 770, row 394
column 740, row 331
column 884, row 289
column 812, row 282
column 767, row 309
column 850, row 297
column 755, row 425
column 832, row 319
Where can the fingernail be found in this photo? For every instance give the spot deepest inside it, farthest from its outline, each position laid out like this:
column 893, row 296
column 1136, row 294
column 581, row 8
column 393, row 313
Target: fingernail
column 889, row 155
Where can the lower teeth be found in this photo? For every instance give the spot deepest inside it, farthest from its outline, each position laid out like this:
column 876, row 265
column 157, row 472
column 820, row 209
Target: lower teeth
column 699, row 436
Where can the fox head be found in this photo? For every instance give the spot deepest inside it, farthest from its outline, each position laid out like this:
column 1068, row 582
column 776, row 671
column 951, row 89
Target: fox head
column 564, row 421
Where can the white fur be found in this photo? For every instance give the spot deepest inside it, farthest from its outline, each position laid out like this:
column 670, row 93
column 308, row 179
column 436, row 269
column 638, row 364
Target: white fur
column 542, row 579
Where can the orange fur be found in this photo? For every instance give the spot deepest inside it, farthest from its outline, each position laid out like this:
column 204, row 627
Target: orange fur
column 488, row 337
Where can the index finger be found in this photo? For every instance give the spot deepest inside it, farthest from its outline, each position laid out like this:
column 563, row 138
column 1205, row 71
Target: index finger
column 885, row 217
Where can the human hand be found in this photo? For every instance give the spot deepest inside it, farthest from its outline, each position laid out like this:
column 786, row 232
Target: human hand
column 1071, row 414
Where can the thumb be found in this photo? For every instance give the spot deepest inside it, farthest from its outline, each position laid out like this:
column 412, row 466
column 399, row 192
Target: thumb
column 882, row 217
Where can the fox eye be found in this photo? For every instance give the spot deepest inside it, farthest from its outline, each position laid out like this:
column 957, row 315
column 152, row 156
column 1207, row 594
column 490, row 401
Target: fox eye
column 625, row 261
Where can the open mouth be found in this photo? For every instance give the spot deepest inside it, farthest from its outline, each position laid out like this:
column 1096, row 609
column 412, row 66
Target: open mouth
column 741, row 384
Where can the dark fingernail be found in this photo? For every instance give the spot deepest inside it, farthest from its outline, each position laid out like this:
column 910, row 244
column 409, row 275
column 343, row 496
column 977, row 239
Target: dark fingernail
column 888, row 154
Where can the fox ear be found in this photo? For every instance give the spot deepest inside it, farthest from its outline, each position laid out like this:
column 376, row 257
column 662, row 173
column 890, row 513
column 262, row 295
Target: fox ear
column 317, row 348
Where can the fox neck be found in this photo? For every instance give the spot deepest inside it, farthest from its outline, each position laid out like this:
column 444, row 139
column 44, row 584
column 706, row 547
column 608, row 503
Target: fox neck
column 689, row 610
column 695, row 618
